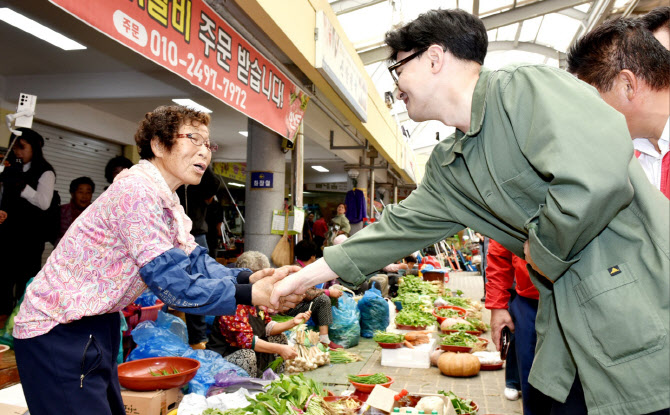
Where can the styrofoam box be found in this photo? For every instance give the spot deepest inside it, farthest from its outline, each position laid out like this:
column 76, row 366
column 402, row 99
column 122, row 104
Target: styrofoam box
column 419, row 357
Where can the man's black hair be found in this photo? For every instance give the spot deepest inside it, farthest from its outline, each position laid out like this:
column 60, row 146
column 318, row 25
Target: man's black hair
column 656, row 19
column 623, row 43
column 74, row 184
column 305, row 249
column 410, row 259
column 458, row 32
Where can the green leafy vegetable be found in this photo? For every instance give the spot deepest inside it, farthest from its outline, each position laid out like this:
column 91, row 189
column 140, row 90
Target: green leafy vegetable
column 447, row 312
column 462, row 406
column 414, row 318
column 386, row 337
column 460, row 338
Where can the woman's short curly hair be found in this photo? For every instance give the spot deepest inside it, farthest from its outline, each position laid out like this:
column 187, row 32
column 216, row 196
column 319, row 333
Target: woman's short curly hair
column 163, row 123
column 253, row 260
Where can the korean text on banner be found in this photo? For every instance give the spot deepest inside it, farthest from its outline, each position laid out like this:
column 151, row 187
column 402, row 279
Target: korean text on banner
column 296, row 220
column 188, row 38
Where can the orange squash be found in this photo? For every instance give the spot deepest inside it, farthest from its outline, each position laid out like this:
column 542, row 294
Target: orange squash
column 458, row 364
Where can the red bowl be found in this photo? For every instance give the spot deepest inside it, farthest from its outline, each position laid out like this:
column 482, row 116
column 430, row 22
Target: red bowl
column 473, row 332
column 390, row 345
column 4, row 348
column 135, row 375
column 461, row 312
column 404, row 327
column 341, row 398
column 366, row 388
column 493, row 366
column 456, row 349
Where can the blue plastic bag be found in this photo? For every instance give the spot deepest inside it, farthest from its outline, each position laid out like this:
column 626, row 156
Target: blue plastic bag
column 164, row 337
column 146, row 299
column 211, row 364
column 374, row 312
column 345, row 329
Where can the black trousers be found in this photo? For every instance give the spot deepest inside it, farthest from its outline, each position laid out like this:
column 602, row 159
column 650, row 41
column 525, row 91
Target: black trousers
column 72, row 368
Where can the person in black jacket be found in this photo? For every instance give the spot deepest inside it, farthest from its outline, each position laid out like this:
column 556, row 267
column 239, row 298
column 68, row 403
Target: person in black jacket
column 27, row 190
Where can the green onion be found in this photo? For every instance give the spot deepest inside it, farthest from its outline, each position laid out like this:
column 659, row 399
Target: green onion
column 375, row 379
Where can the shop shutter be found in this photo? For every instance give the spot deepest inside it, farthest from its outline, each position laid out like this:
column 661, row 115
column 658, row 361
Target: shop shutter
column 74, row 155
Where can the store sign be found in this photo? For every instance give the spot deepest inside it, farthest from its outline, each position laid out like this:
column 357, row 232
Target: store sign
column 261, row 180
column 338, row 67
column 188, row 38
column 326, row 187
column 235, row 171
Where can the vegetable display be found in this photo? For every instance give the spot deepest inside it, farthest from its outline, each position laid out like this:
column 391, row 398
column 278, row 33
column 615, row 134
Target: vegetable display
column 414, row 284
column 462, row 406
column 463, row 327
column 414, row 318
column 386, row 337
column 310, row 356
column 376, row 379
column 478, row 324
column 460, row 338
column 447, row 312
column 291, row 395
column 342, row 356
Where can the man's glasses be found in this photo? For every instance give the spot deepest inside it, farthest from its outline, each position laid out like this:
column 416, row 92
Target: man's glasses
column 393, row 69
column 199, row 140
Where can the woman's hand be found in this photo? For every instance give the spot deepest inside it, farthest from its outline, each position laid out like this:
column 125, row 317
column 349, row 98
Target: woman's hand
column 302, row 317
column 287, row 352
column 3, row 216
column 335, row 293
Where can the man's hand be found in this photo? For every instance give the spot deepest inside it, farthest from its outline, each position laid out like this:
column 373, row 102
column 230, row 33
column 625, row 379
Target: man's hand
column 283, row 272
column 287, row 352
column 3, row 216
column 288, row 286
column 302, row 317
column 526, row 252
column 262, row 290
column 499, row 319
column 335, row 293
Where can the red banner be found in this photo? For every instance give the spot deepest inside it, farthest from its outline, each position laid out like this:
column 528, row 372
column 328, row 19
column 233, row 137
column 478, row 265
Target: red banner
column 188, row 38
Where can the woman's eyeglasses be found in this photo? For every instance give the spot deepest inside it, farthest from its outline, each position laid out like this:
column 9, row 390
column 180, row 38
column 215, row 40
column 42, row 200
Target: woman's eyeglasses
column 199, row 140
column 393, row 69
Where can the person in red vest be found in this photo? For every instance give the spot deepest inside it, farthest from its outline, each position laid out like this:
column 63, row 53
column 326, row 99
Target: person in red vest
column 620, row 58
column 319, row 230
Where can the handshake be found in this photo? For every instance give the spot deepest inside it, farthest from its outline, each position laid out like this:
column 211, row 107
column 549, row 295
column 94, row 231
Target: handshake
column 264, row 282
column 283, row 288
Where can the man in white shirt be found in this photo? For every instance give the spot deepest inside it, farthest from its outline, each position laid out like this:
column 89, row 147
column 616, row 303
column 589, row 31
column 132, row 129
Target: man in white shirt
column 628, row 66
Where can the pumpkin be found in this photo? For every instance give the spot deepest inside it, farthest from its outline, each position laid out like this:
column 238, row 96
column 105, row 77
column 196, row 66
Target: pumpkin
column 458, row 364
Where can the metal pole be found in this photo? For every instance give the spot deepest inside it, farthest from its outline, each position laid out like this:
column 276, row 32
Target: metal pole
column 298, row 167
column 233, row 200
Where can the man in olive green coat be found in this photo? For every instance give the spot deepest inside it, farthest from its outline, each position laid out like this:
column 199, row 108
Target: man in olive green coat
column 542, row 165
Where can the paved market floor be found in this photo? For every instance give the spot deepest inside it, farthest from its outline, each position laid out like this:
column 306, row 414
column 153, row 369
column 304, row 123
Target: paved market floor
column 486, row 389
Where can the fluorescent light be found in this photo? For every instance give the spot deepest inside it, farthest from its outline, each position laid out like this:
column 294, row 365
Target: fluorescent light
column 192, row 105
column 38, row 30
column 320, row 169
column 236, row 184
column 244, row 133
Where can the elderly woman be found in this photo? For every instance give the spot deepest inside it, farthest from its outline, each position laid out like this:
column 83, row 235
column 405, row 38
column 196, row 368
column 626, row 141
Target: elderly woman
column 134, row 235
column 250, row 338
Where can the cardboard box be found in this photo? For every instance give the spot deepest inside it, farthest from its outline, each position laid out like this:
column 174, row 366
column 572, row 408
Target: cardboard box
column 6, row 409
column 419, row 357
column 158, row 402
